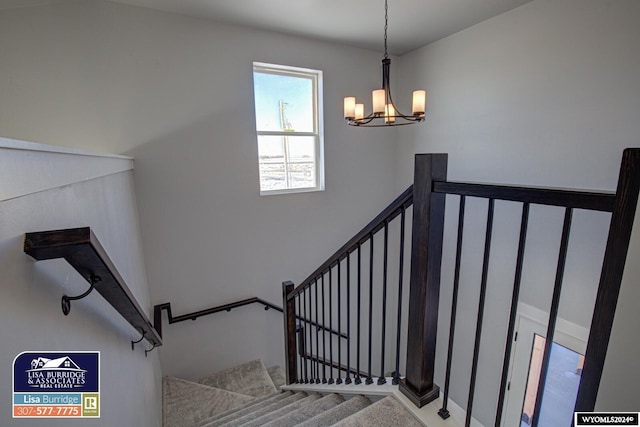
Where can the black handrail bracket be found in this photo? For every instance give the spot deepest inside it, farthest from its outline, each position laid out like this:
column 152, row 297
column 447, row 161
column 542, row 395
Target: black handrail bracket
column 83, row 251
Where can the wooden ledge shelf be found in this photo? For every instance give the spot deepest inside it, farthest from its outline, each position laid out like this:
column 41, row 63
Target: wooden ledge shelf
column 80, row 248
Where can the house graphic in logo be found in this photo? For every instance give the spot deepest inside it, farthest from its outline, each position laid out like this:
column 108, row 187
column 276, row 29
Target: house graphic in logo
column 55, row 373
column 62, row 363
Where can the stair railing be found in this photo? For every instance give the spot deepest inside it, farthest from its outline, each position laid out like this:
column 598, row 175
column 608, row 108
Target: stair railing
column 621, row 205
column 308, row 302
column 333, row 296
column 357, row 282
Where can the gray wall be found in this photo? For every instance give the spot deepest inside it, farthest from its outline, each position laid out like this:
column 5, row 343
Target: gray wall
column 210, row 238
column 30, row 291
column 176, row 93
column 546, row 94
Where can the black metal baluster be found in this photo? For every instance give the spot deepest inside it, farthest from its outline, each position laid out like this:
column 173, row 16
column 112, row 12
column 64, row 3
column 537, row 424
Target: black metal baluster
column 331, row 380
column 444, row 412
column 347, row 379
column 324, row 335
column 553, row 314
column 396, row 374
column 318, row 380
column 310, row 328
column 483, row 292
column 305, row 327
column 381, row 378
column 358, row 380
column 369, row 376
column 299, row 332
column 513, row 312
column 339, row 379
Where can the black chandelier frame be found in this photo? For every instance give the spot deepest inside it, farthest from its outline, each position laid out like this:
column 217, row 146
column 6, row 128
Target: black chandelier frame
column 373, row 119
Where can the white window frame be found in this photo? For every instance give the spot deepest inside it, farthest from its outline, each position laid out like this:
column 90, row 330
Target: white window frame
column 318, row 128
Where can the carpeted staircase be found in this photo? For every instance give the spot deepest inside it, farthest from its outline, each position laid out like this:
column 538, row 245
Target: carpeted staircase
column 250, row 395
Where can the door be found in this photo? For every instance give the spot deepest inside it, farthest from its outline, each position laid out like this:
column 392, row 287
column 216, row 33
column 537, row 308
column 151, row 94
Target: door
column 563, row 377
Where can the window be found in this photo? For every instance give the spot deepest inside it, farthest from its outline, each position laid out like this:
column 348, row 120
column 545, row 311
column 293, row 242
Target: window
column 288, row 105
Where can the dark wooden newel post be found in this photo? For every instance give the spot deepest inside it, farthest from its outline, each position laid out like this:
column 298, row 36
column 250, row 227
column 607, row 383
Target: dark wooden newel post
column 424, row 292
column 289, row 316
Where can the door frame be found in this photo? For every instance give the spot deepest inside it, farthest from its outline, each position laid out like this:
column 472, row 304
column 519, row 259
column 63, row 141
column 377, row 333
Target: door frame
column 531, row 320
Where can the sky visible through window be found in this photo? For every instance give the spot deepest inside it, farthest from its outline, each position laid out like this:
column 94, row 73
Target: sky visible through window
column 295, row 92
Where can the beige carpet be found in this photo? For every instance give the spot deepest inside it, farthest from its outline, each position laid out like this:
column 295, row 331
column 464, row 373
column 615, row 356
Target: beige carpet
column 250, row 378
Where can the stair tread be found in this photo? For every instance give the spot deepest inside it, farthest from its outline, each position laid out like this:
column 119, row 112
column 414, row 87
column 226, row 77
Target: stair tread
column 383, row 413
column 337, row 413
column 277, row 376
column 307, row 411
column 263, row 409
column 186, row 402
column 247, row 407
column 284, row 411
column 251, row 378
column 247, row 396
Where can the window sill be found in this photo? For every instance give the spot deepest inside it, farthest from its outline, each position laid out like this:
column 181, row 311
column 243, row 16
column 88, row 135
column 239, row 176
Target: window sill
column 290, row 191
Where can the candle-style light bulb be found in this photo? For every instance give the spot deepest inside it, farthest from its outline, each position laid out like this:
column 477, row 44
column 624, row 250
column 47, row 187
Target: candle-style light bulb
column 349, row 107
column 378, row 101
column 419, row 102
column 389, row 113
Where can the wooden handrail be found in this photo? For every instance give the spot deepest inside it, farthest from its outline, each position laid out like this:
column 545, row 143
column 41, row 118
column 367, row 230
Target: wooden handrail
column 394, row 209
column 576, row 199
column 83, row 251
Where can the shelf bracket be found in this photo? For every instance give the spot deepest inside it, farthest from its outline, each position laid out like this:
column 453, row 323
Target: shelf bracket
column 133, row 343
column 66, row 300
column 149, row 351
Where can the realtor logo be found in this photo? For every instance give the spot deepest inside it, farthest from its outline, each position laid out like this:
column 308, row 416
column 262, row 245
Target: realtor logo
column 90, row 402
column 60, row 385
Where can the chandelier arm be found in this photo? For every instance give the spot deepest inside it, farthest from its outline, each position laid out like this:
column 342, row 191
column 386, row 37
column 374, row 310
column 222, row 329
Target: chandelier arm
column 369, row 121
column 362, row 121
column 386, row 85
column 376, row 125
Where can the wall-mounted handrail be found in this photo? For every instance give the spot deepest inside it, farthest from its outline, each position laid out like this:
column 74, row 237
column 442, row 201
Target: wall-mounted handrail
column 83, row 251
column 157, row 313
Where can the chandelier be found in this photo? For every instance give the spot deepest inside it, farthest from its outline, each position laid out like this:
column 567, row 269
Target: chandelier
column 384, row 113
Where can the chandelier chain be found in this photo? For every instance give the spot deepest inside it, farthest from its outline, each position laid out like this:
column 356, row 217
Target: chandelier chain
column 386, row 20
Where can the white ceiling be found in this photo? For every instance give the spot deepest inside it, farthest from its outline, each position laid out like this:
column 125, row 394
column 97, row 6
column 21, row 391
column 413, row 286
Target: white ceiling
column 360, row 23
